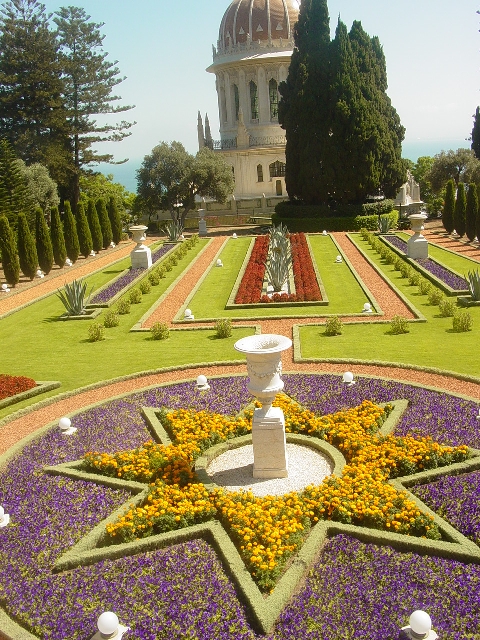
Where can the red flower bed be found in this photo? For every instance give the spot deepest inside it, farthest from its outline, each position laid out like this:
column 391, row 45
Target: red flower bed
column 306, row 285
column 11, row 385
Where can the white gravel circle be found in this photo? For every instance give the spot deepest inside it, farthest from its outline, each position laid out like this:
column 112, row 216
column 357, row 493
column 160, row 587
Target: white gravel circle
column 233, row 470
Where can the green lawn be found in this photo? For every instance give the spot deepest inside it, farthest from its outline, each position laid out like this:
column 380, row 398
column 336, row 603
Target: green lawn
column 454, row 261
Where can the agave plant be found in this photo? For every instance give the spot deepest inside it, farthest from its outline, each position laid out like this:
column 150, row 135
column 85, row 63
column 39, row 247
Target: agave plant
column 173, row 229
column 74, row 297
column 474, row 284
column 279, row 260
column 384, row 224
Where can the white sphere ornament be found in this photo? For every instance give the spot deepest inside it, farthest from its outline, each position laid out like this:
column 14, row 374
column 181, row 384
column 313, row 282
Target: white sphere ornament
column 107, row 624
column 202, row 383
column 65, row 426
column 478, row 416
column 219, row 263
column 348, row 378
column 4, row 286
column 324, row 232
column 234, row 236
column 338, row 259
column 92, row 252
column 4, row 517
column 367, row 307
column 420, row 623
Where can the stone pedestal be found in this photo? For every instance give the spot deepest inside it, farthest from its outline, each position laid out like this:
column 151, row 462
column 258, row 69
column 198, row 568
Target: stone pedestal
column 264, row 367
column 141, row 256
column 202, row 225
column 417, row 246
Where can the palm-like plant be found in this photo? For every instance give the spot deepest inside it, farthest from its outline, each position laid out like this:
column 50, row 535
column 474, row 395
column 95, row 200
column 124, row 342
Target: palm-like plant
column 474, row 284
column 279, row 260
column 173, row 229
column 74, row 297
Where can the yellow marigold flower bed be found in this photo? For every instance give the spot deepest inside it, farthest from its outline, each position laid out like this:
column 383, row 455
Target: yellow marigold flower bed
column 268, row 530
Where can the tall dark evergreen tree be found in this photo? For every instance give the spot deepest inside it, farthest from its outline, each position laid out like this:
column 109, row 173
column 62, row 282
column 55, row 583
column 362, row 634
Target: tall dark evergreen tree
column 8, row 250
column 70, row 233
column 13, row 189
column 459, row 213
column 476, row 133
column 477, row 222
column 104, row 220
column 58, row 239
column 94, row 224
column 32, row 117
column 449, row 207
column 27, row 252
column 89, row 80
column 115, row 220
column 83, row 230
column 471, row 212
column 43, row 242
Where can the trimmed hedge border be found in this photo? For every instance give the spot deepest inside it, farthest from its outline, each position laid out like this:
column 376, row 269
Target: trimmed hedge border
column 318, row 224
column 42, row 387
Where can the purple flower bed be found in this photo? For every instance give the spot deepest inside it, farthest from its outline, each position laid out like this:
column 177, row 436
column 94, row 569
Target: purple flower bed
column 354, row 588
column 123, row 281
column 442, row 273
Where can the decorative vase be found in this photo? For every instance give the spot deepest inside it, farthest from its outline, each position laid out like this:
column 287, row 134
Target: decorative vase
column 417, row 246
column 141, row 256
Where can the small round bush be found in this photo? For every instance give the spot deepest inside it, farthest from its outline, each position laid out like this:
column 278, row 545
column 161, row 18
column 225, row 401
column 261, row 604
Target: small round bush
column 223, row 328
column 123, row 306
column 160, row 331
column 447, row 308
column 435, row 296
column 111, row 319
column 390, row 257
column 414, row 278
column 154, row 278
column 399, row 325
column 397, row 263
column 405, row 270
column 462, row 321
column 424, row 287
column 167, row 265
column 173, row 259
column 96, row 332
column 333, row 326
column 161, row 271
column 145, row 286
column 135, row 296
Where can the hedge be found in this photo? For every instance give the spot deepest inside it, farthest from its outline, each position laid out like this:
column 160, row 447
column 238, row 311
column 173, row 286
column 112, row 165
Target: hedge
column 291, row 209
column 337, row 223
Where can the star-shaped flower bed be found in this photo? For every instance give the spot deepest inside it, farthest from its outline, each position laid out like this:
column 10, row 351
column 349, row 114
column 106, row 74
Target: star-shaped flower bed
column 267, row 544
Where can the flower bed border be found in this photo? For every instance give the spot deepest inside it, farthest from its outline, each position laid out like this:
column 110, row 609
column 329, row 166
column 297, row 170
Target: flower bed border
column 42, row 387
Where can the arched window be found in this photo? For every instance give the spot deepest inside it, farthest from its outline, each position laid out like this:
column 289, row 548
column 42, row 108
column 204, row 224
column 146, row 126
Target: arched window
column 273, row 95
column 259, row 173
column 277, row 169
column 236, row 100
column 253, row 100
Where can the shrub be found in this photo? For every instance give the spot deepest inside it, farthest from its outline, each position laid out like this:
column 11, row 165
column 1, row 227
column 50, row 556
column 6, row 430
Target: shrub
column 58, row 239
column 167, row 265
column 405, row 270
column 115, row 222
column 435, row 296
column 83, row 230
column 424, row 287
column 154, row 278
column 96, row 332
column 161, row 270
column 173, row 259
column 135, row 296
column 333, row 326
column 123, row 306
column 70, row 233
column 223, row 328
column 145, row 286
column 8, row 250
column 94, row 224
column 173, row 229
column 397, row 263
column 462, row 321
column 390, row 257
column 104, row 221
column 399, row 325
column 43, row 242
column 27, row 252
column 447, row 308
column 160, row 331
column 111, row 319
column 414, row 278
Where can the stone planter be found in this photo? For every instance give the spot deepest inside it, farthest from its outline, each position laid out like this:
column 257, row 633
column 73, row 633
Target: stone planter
column 264, row 367
column 89, row 314
column 417, row 246
column 141, row 256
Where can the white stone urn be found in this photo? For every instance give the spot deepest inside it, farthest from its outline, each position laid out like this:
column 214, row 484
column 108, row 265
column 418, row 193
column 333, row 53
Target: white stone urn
column 417, row 246
column 202, row 224
column 264, row 367
column 141, row 256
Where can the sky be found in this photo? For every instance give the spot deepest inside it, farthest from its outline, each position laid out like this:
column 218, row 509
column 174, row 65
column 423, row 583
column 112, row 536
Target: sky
column 432, row 50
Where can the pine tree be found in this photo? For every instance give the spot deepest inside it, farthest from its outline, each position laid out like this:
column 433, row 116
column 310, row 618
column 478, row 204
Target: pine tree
column 8, row 250
column 471, row 212
column 89, row 81
column 115, row 220
column 43, row 242
column 94, row 224
column 104, row 220
column 70, row 233
column 13, row 189
column 58, row 239
column 83, row 230
column 459, row 213
column 449, row 207
column 476, row 133
column 27, row 251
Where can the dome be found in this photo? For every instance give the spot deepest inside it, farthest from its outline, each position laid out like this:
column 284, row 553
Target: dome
column 254, row 20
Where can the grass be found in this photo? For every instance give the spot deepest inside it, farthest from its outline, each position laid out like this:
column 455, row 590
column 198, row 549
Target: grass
column 344, row 292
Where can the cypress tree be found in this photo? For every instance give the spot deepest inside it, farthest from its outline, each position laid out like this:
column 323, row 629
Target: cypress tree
column 459, row 213
column 449, row 207
column 83, row 230
column 94, row 224
column 27, row 252
column 58, row 239
column 104, row 220
column 70, row 233
column 471, row 212
column 44, row 242
column 476, row 133
column 477, row 223
column 115, row 220
column 8, row 249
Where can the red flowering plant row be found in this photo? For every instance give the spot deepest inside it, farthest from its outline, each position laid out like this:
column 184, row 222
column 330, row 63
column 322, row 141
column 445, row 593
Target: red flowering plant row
column 11, row 385
column 250, row 288
column 306, row 284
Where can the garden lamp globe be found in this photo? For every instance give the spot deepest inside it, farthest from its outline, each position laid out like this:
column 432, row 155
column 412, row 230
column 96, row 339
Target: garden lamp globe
column 367, row 307
column 107, row 624
column 4, row 517
column 202, row 383
column 420, row 624
column 188, row 313
column 348, row 378
column 64, row 423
